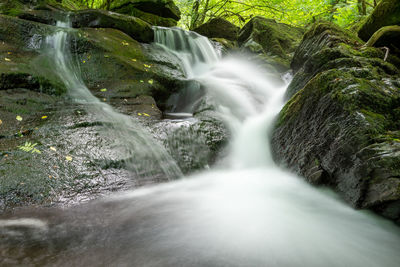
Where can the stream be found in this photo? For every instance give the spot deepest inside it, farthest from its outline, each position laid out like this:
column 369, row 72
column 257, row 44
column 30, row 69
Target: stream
column 245, row 211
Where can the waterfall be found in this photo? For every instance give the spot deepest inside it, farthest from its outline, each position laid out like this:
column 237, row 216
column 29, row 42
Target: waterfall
column 248, row 212
column 130, row 138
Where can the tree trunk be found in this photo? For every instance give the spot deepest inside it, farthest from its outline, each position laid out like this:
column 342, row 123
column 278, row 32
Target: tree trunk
column 379, row 33
column 194, row 14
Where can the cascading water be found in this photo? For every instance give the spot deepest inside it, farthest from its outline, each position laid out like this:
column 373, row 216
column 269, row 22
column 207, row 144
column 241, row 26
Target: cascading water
column 249, row 213
column 142, row 154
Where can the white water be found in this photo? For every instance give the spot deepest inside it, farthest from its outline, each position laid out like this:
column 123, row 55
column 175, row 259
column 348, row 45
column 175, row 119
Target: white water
column 130, row 138
column 250, row 213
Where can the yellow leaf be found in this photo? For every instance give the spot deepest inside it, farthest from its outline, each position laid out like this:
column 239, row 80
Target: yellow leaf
column 151, row 81
column 19, row 118
column 103, row 90
column 145, row 114
column 69, row 158
column 140, row 114
column 104, row 99
column 44, row 117
column 1, row 122
column 134, row 59
column 84, row 61
column 9, row 53
column 141, row 81
column 53, row 148
column 106, row 56
column 125, row 43
column 7, row 59
column 146, row 66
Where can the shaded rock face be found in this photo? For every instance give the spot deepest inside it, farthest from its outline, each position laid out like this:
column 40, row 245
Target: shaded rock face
column 274, row 42
column 80, row 158
column 218, row 28
column 386, row 13
column 155, row 12
column 341, row 125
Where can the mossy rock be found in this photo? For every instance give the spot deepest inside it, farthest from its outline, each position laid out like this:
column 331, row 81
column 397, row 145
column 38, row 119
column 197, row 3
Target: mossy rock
column 343, row 99
column 219, row 28
column 134, row 27
column 148, row 17
column 276, row 40
column 161, row 8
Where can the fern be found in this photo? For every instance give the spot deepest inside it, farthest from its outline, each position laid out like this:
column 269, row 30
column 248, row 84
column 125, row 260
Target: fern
column 29, row 147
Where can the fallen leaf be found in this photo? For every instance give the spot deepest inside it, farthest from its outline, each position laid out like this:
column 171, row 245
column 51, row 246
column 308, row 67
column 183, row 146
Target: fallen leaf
column 9, row 53
column 53, row 148
column 134, row 59
column 50, row 176
column 84, row 61
column 104, row 99
column 103, row 90
column 141, row 81
column 7, row 59
column 125, row 43
column 44, row 117
column 145, row 114
column 146, row 66
column 19, row 118
column 69, row 158
column 1, row 122
column 151, row 81
column 106, row 56
column 140, row 114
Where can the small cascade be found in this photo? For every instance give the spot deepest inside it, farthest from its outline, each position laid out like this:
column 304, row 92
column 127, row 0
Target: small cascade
column 195, row 52
column 141, row 153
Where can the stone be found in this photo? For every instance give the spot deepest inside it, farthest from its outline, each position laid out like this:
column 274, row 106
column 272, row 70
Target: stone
column 161, row 8
column 218, row 28
column 340, row 125
column 276, row 42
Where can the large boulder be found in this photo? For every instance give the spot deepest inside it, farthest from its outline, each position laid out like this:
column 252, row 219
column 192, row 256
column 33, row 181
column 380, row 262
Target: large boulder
column 155, row 12
column 79, row 157
column 341, row 125
column 218, row 28
column 275, row 42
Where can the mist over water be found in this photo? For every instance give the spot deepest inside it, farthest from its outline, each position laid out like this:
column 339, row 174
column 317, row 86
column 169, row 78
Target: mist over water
column 247, row 212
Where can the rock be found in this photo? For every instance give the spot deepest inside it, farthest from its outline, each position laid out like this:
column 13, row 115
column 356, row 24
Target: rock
column 340, row 126
column 386, row 13
column 95, row 18
column 148, row 17
column 134, row 27
column 161, row 8
column 80, row 158
column 275, row 42
column 218, row 28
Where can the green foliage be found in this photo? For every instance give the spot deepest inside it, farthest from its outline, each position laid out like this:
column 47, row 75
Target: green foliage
column 29, row 147
column 294, row 12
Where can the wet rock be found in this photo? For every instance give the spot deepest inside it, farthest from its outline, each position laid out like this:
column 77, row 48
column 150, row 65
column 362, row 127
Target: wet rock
column 218, row 28
column 275, row 42
column 340, row 126
column 81, row 155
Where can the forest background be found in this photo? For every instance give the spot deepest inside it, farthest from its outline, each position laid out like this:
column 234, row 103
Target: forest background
column 345, row 13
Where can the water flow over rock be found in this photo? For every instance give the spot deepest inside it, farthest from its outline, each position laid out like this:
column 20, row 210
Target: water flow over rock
column 142, row 154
